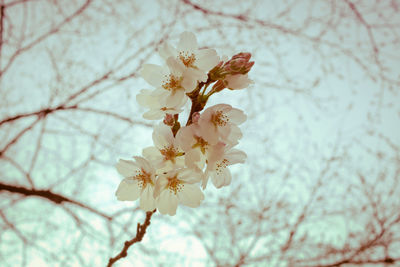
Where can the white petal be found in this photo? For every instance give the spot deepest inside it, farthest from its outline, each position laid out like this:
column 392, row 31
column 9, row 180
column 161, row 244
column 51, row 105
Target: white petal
column 128, row 190
column 187, row 42
column 162, row 136
column 167, row 202
column 234, row 135
column 236, row 156
column 153, row 114
column 189, row 176
column 190, row 195
column 222, row 178
column 147, row 201
column 175, row 98
column 151, row 153
column 206, row 59
column 189, row 83
column 144, row 164
column 167, row 51
column 153, row 74
column 196, row 75
column 127, row 168
column 236, row 116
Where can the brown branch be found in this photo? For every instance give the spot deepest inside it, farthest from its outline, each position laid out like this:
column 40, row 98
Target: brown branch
column 49, row 195
column 140, row 231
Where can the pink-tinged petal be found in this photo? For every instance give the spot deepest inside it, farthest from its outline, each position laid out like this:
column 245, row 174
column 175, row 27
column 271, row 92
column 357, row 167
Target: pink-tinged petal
column 221, row 178
column 187, row 42
column 195, row 159
column 190, row 195
column 167, row 203
column 153, row 74
column 162, row 136
column 166, row 51
column 236, row 116
column 225, row 108
column 238, row 81
column 184, row 138
column 189, row 176
column 127, row 168
column 236, row 156
column 224, row 131
column 206, row 59
column 209, row 133
column 147, row 201
column 128, row 190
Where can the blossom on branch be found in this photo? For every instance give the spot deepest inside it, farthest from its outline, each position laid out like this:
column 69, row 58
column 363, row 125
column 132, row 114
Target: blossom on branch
column 177, row 187
column 182, row 158
column 138, row 183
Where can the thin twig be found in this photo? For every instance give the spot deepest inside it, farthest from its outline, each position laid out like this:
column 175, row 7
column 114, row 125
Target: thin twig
column 141, row 230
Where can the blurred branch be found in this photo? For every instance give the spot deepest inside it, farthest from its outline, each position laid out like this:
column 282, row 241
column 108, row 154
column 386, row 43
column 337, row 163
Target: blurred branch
column 140, row 231
column 44, row 36
column 49, row 195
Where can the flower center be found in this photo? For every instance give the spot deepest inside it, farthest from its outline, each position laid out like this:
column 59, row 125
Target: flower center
column 221, row 165
column 201, row 143
column 187, row 59
column 143, row 178
column 172, row 83
column 219, row 119
column 175, row 185
column 170, row 153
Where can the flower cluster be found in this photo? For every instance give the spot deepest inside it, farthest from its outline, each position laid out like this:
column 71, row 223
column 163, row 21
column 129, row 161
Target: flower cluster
column 182, row 160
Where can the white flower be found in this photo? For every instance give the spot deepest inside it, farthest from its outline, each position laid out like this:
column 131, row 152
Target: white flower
column 177, row 187
column 172, row 80
column 197, row 61
column 195, row 147
column 238, row 81
column 220, row 157
column 219, row 123
column 139, row 182
column 166, row 154
column 156, row 102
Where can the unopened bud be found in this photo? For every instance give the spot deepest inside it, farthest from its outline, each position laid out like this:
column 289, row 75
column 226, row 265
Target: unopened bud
column 195, row 117
column 169, row 120
column 216, row 72
column 243, row 55
column 219, row 86
column 238, row 64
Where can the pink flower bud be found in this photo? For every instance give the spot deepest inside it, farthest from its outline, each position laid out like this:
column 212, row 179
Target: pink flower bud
column 169, row 120
column 195, row 117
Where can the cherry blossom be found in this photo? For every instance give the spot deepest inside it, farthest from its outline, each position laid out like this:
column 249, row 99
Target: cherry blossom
column 177, row 187
column 197, row 61
column 138, row 182
column 156, row 102
column 166, row 154
column 219, row 123
column 220, row 157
